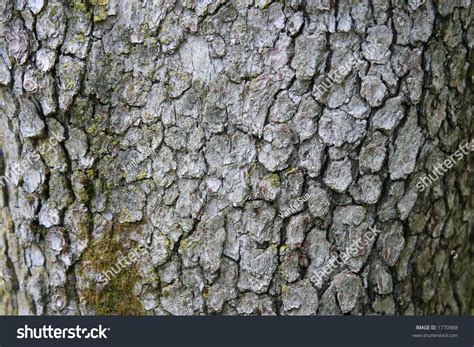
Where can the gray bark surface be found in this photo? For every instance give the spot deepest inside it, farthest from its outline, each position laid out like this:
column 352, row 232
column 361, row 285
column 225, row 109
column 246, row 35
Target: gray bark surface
column 195, row 134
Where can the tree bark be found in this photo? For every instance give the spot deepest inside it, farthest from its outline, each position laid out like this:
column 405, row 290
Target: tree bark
column 212, row 157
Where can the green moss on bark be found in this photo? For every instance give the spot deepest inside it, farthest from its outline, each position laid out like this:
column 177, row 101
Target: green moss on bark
column 116, row 297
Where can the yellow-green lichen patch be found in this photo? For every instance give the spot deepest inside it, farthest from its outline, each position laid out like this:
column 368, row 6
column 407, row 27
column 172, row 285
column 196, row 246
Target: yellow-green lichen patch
column 205, row 294
column 96, row 7
column 7, row 285
column 79, row 6
column 100, row 9
column 184, row 245
column 273, row 179
column 141, row 175
column 82, row 185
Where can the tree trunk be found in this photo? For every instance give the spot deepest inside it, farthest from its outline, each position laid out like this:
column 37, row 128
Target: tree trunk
column 216, row 157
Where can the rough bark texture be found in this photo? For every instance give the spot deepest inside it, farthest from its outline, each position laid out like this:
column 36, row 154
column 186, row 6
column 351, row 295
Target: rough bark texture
column 219, row 102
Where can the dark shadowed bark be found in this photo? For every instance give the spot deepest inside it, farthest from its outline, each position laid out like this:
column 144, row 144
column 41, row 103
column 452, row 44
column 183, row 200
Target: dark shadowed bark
column 214, row 157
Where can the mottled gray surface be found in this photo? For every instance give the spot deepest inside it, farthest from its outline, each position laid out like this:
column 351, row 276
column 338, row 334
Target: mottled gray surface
column 218, row 100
